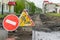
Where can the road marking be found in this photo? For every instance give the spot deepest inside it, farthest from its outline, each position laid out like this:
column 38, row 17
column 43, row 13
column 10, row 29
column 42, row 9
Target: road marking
column 11, row 22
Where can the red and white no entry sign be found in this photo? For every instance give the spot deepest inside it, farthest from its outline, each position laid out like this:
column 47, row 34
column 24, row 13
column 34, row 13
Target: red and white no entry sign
column 10, row 22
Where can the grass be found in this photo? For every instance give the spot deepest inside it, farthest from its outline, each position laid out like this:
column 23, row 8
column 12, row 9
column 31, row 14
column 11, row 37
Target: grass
column 53, row 14
column 17, row 14
column 2, row 16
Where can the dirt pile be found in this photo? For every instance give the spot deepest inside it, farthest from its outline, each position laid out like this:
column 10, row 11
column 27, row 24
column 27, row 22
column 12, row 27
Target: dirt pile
column 50, row 23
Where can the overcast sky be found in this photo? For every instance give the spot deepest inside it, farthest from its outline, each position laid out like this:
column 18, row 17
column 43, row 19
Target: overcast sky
column 38, row 3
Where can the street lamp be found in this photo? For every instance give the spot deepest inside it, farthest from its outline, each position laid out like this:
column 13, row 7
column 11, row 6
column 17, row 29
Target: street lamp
column 2, row 7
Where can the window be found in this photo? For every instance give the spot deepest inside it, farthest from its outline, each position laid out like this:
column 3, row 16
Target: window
column 6, row 6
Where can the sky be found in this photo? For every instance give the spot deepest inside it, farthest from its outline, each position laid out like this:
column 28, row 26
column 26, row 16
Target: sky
column 38, row 3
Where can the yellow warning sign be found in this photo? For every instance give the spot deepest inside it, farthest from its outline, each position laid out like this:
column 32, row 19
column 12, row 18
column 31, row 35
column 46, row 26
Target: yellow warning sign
column 25, row 20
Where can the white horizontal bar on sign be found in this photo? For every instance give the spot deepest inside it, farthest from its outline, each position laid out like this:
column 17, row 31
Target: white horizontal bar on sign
column 11, row 22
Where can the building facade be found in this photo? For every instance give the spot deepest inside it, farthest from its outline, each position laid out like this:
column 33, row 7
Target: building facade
column 51, row 7
column 6, row 7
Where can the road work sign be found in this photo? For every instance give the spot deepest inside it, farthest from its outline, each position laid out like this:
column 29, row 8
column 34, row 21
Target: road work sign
column 25, row 20
column 10, row 22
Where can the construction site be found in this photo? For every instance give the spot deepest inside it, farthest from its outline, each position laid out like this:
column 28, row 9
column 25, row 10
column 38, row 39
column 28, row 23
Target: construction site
column 25, row 21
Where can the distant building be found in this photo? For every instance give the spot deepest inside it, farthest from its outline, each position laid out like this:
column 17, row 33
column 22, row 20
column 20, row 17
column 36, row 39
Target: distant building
column 51, row 7
column 8, row 6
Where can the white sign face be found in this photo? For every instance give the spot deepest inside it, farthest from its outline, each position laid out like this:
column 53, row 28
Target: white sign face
column 11, row 22
column 46, row 35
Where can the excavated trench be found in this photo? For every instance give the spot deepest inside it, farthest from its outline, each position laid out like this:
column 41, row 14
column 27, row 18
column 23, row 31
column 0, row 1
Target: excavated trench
column 50, row 23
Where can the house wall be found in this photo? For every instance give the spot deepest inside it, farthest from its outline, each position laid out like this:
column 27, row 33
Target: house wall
column 5, row 6
column 50, row 7
column 43, row 7
column 58, row 9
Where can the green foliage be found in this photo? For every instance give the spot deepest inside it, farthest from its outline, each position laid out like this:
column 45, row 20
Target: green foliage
column 20, row 5
column 38, row 10
column 32, row 7
column 53, row 14
column 2, row 16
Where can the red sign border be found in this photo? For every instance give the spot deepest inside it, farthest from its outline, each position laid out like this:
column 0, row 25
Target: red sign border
column 6, row 17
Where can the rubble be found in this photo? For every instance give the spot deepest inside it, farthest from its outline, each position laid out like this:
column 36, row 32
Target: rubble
column 49, row 23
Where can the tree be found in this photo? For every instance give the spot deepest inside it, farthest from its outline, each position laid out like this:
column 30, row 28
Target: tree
column 38, row 10
column 20, row 5
column 31, row 7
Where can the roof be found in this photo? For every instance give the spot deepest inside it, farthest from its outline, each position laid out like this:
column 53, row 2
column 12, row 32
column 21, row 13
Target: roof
column 47, row 2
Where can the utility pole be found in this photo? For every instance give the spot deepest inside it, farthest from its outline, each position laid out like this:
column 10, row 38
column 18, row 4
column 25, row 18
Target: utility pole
column 2, row 7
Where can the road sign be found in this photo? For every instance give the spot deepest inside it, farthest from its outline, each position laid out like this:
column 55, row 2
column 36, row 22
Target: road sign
column 25, row 20
column 10, row 22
